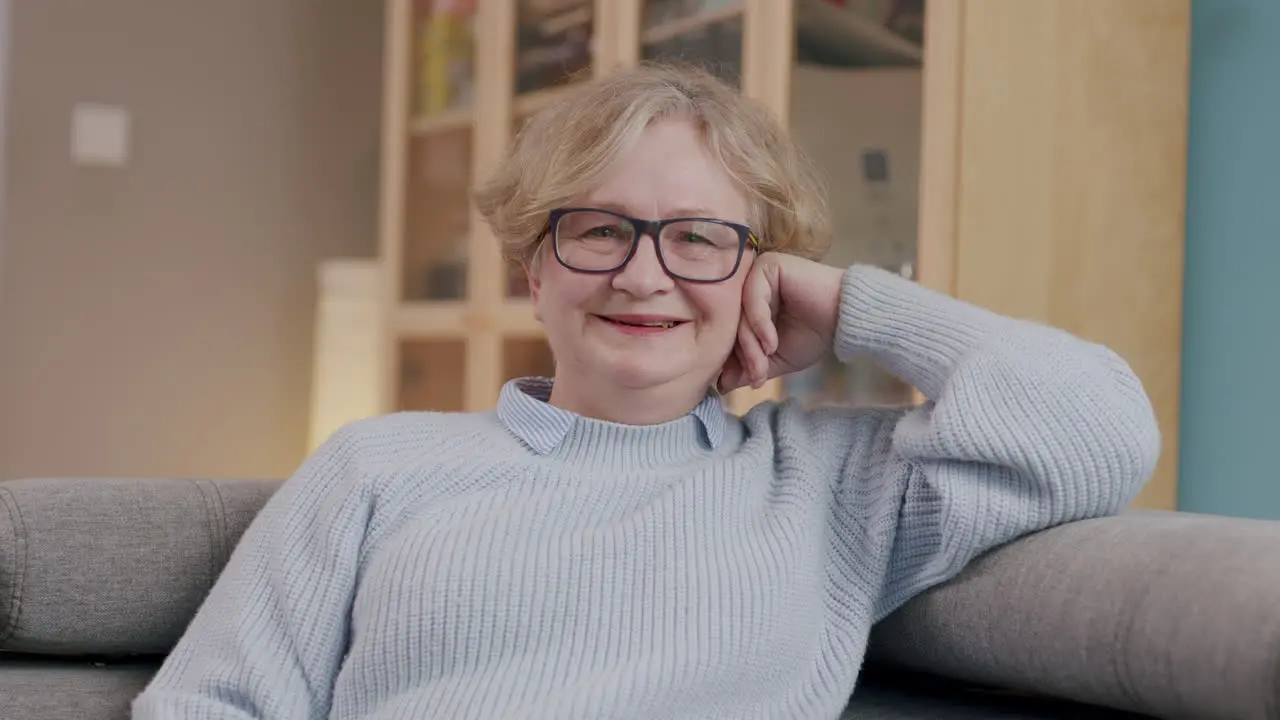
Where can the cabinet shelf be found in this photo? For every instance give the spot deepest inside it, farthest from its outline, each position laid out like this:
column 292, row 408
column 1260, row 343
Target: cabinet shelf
column 516, row 319
column 669, row 29
column 443, row 121
column 531, row 102
column 455, row 319
column 847, row 38
column 844, row 36
column 525, row 104
column 446, row 319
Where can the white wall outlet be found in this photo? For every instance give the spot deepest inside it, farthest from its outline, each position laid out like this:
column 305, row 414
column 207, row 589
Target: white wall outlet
column 99, row 135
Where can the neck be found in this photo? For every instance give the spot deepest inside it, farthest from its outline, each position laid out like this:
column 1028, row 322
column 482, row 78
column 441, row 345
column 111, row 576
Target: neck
column 622, row 405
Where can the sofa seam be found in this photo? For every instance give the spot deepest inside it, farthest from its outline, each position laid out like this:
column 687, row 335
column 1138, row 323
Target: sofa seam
column 1272, row 701
column 20, row 570
column 1123, row 637
column 215, row 524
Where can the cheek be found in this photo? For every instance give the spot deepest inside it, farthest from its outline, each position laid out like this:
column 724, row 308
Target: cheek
column 563, row 293
column 719, row 309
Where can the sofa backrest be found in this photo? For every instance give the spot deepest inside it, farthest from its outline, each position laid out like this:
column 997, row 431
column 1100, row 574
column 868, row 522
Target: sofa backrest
column 111, row 566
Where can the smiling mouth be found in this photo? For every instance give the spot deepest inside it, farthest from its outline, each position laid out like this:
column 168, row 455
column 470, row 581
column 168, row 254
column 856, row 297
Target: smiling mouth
column 642, row 323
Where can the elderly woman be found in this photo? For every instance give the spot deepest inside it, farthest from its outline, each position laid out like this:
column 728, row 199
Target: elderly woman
column 610, row 543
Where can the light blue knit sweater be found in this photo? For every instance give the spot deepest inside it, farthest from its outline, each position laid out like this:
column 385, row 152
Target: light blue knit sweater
column 431, row 565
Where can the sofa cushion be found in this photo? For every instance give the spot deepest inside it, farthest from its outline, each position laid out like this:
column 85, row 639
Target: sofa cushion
column 45, row 689
column 114, row 566
column 1170, row 614
column 888, row 693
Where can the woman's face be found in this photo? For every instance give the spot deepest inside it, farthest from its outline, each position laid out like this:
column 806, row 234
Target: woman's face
column 639, row 327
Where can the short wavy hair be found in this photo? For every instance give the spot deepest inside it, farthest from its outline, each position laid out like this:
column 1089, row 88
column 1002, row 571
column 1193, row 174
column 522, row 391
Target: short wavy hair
column 564, row 149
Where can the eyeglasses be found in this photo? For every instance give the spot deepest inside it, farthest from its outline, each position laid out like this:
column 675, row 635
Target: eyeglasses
column 700, row 250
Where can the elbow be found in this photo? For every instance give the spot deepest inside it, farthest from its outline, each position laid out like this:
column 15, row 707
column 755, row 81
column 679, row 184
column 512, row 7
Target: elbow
column 1087, row 427
column 1126, row 461
column 1139, row 444
column 1123, row 440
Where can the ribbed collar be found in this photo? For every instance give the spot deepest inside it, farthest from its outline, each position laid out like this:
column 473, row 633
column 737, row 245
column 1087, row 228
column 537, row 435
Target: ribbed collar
column 524, row 408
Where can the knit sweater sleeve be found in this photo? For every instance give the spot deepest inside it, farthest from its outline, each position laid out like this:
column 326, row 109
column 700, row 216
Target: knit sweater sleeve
column 269, row 638
column 1025, row 427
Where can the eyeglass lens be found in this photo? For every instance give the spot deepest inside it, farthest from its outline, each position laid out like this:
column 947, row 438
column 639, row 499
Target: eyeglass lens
column 693, row 249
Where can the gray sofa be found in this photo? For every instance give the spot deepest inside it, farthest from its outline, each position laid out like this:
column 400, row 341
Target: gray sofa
column 1147, row 614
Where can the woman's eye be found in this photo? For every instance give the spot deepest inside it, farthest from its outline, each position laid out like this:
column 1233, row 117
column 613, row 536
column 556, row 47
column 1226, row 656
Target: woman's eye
column 695, row 238
column 603, row 231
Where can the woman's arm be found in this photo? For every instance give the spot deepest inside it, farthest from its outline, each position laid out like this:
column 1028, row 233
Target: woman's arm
column 1025, row 427
column 268, row 640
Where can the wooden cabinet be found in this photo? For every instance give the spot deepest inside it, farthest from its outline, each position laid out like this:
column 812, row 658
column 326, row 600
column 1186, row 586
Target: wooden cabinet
column 1026, row 156
column 1054, row 175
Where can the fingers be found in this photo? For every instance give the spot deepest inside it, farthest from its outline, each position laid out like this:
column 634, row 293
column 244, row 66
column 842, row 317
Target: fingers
column 759, row 300
column 755, row 361
column 757, row 335
column 746, row 365
column 732, row 375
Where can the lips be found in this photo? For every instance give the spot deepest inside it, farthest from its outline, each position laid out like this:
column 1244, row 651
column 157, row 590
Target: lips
column 654, row 322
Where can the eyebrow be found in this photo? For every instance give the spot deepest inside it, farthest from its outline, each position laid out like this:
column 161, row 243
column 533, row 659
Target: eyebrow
column 682, row 212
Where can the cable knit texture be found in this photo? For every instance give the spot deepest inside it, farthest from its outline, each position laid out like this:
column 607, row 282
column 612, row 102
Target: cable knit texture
column 435, row 565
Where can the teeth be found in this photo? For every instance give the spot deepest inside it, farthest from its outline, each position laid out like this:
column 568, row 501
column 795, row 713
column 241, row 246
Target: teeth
column 665, row 325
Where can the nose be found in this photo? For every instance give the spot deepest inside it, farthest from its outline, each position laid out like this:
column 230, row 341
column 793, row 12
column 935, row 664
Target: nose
column 643, row 275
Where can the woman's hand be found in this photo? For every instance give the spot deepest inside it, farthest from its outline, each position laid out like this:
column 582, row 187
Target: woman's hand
column 790, row 307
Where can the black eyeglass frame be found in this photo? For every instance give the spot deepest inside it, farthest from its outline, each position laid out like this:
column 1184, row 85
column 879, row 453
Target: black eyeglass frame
column 652, row 228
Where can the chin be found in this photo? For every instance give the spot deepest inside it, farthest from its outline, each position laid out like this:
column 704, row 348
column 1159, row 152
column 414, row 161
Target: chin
column 634, row 378
column 640, row 371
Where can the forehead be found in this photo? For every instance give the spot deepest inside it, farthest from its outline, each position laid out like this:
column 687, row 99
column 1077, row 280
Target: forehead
column 669, row 172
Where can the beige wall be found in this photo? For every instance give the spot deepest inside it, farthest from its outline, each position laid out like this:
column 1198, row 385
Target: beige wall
column 157, row 319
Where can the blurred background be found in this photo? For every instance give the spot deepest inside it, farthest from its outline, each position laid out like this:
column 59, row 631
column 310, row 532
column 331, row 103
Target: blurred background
column 229, row 227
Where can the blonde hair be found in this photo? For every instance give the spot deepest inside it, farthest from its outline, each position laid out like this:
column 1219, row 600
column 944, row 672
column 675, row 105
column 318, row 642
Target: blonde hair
column 564, row 149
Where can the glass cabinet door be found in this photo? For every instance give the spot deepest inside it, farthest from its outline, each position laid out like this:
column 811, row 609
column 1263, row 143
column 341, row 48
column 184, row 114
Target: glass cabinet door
column 438, row 169
column 856, row 111
column 524, row 357
column 439, row 38
column 704, row 32
column 437, row 213
column 553, row 43
column 429, row 373
column 555, row 47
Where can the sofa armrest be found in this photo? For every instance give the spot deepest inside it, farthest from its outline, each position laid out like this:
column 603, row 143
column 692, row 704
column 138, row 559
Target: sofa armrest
column 1170, row 614
column 114, row 566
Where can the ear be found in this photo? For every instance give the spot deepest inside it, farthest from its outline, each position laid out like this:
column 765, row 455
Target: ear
column 535, row 288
